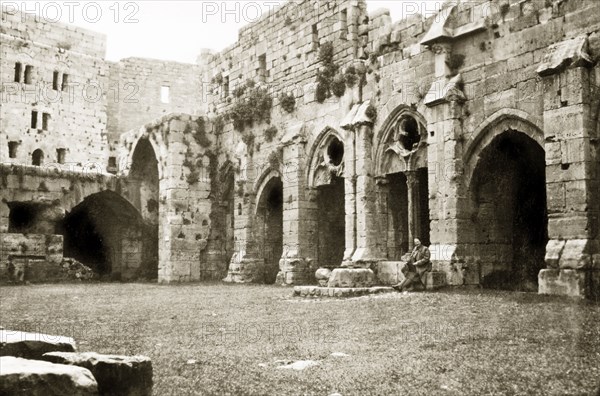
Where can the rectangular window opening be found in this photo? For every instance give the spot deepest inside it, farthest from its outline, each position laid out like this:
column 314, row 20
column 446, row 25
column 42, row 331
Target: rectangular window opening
column 45, row 121
column 344, row 23
column 225, row 86
column 55, row 81
column 18, row 71
column 28, row 74
column 165, row 92
column 315, row 37
column 262, row 68
column 61, row 154
column 65, row 82
column 12, row 149
column 34, row 117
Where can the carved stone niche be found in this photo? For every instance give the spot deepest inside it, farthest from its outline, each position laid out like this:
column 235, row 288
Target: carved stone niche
column 402, row 143
column 329, row 161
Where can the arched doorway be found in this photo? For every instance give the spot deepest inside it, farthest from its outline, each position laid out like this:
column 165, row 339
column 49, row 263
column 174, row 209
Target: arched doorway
column 270, row 223
column 508, row 202
column 331, row 223
column 143, row 192
column 104, row 232
column 37, row 158
column 325, row 177
column 401, row 164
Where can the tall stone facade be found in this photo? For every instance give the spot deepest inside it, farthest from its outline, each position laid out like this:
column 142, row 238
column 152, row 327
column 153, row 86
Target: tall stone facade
column 328, row 137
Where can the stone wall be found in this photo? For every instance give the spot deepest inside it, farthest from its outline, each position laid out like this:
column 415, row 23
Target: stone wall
column 61, row 77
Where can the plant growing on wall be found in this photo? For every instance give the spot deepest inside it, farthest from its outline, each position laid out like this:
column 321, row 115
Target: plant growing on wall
column 275, row 159
column 288, row 101
column 371, row 112
column 253, row 106
column 327, row 73
column 270, row 133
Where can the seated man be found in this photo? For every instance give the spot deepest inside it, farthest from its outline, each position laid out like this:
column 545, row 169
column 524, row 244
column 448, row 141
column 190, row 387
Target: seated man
column 416, row 268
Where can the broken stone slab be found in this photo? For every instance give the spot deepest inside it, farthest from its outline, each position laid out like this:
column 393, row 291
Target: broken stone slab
column 566, row 282
column 116, row 375
column 33, row 345
column 351, row 277
column 567, row 53
column 322, row 275
column 338, row 292
column 38, row 378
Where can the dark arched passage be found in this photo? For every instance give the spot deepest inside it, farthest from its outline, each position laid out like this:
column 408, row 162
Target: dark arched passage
column 104, row 232
column 508, row 198
column 270, row 221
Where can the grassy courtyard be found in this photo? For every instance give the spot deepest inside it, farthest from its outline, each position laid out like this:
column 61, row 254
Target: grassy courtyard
column 210, row 339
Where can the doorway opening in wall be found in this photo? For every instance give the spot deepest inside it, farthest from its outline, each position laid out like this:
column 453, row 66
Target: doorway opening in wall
column 37, row 157
column 331, row 223
column 397, row 216
column 143, row 192
column 105, row 232
column 270, row 215
column 423, row 226
column 509, row 196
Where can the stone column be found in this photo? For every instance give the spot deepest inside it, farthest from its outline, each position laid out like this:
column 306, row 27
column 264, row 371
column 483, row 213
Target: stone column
column 573, row 249
column 299, row 217
column 412, row 184
column 369, row 246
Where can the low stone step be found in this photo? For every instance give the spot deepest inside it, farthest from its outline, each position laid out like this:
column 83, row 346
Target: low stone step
column 116, row 375
column 33, row 345
column 318, row 291
column 38, row 378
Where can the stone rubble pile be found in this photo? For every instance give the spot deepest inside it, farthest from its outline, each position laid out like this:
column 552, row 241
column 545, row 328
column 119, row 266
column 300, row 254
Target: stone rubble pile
column 40, row 364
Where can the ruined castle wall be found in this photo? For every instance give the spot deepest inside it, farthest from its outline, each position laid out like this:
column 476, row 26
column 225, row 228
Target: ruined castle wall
column 71, row 108
column 143, row 90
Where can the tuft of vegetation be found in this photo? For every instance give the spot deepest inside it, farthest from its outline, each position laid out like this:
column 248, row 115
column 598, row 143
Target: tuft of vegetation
column 248, row 139
column 218, row 124
column 254, row 106
column 455, row 61
column 270, row 133
column 338, row 85
column 371, row 112
column 275, row 159
column 351, row 77
column 288, row 101
column 200, row 133
column 217, row 79
column 326, row 74
column 504, row 9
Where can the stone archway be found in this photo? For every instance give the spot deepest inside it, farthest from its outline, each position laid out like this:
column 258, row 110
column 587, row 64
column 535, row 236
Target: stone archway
column 143, row 191
column 507, row 191
column 105, row 232
column 401, row 167
column 269, row 216
column 326, row 179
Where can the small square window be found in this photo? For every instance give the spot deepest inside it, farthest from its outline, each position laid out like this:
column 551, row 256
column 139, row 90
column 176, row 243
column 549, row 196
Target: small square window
column 61, row 154
column 165, row 93
column 12, row 149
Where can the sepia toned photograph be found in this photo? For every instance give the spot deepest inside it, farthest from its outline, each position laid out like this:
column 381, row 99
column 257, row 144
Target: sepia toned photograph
column 300, row 197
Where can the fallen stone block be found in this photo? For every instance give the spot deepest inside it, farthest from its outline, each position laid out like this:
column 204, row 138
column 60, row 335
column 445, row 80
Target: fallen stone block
column 351, row 277
column 38, row 378
column 435, row 280
column 33, row 345
column 116, row 375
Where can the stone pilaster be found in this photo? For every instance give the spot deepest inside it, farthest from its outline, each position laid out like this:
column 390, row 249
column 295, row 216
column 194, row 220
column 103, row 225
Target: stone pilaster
column 573, row 249
column 299, row 216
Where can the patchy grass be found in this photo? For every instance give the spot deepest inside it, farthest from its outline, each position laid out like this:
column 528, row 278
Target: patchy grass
column 450, row 342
